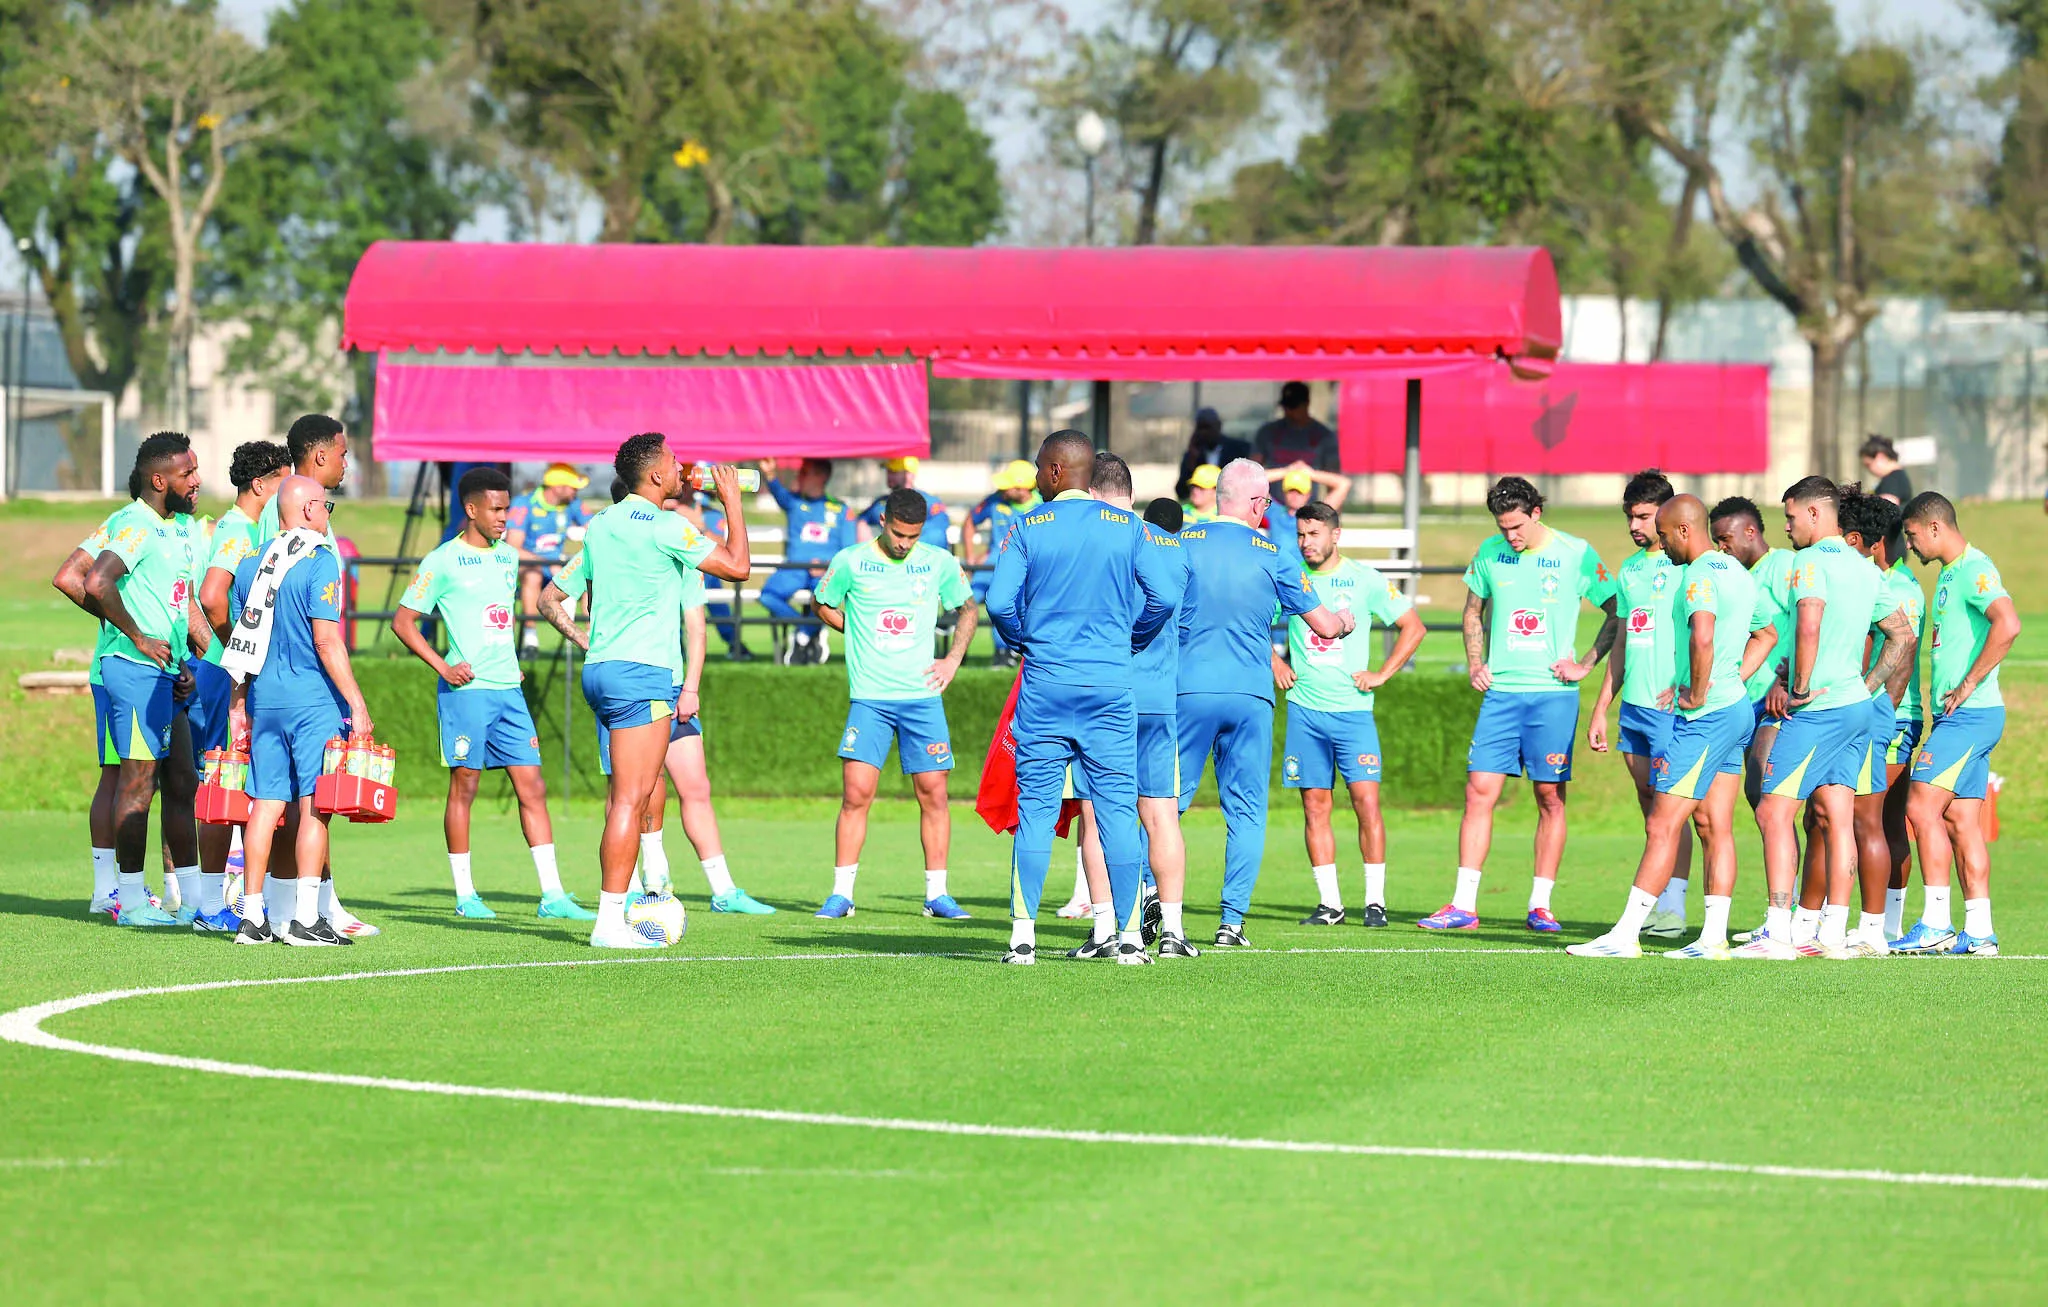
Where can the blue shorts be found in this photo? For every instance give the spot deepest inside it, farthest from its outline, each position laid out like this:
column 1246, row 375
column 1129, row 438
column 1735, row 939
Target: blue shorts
column 923, row 742
column 1158, row 755
column 1701, row 748
column 1870, row 777
column 679, row 728
column 1525, row 732
column 1646, row 732
column 286, row 747
column 1957, row 753
column 136, row 723
column 1898, row 751
column 483, row 729
column 628, row 694
column 206, row 710
column 1816, row 747
column 1315, row 737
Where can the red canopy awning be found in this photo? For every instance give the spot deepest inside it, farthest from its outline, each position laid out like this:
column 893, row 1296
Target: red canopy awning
column 1055, row 312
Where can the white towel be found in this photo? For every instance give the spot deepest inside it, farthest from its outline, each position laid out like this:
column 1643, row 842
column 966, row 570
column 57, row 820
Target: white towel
column 249, row 638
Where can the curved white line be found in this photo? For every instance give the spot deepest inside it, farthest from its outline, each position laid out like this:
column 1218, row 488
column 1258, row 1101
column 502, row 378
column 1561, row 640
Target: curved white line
column 24, row 1026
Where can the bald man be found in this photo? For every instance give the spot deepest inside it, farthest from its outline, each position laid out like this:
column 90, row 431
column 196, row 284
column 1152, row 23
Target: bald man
column 1721, row 637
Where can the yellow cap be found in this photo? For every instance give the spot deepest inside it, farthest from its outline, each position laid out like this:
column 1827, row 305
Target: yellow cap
column 905, row 464
column 561, row 474
column 1018, row 474
column 1205, row 476
column 1298, row 480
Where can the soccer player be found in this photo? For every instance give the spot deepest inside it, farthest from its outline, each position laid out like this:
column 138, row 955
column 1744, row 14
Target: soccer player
column 70, row 582
column 542, row 525
column 1532, row 577
column 141, row 585
column 817, row 527
column 635, row 556
column 1641, row 670
column 1698, row 766
column 901, row 474
column 1298, row 485
column 1073, row 592
column 1330, row 685
column 886, row 595
column 1200, row 505
column 1971, row 626
column 1823, row 745
column 471, row 580
column 1016, row 493
column 1237, row 580
column 292, row 683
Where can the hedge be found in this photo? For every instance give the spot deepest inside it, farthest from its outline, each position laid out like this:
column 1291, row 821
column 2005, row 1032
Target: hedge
column 775, row 730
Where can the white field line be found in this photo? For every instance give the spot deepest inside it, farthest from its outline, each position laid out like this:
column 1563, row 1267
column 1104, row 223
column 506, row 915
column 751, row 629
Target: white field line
column 24, row 1026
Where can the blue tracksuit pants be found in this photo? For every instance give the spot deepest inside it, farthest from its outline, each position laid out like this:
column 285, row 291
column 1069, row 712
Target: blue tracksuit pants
column 1095, row 729
column 1238, row 730
column 780, row 585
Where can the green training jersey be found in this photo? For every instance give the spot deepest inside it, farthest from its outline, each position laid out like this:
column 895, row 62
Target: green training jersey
column 234, row 539
column 892, row 607
column 474, row 589
column 203, row 529
column 1901, row 593
column 634, row 559
column 1644, row 587
column 1714, row 583
column 1773, row 576
column 266, row 531
column 1851, row 591
column 1323, row 668
column 158, row 555
column 1958, row 623
column 1535, row 598
column 91, row 547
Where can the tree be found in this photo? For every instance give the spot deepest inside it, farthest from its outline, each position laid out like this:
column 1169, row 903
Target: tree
column 172, row 95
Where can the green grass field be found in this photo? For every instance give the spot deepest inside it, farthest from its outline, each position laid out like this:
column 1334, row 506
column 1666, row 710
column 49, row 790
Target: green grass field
column 128, row 1181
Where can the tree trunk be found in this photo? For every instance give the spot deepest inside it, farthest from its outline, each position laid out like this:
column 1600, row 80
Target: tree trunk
column 1621, row 309
column 1824, row 446
column 718, row 196
column 1148, row 199
column 362, row 434
column 178, row 408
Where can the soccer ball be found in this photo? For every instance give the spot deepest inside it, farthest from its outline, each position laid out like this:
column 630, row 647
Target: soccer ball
column 231, row 892
column 659, row 917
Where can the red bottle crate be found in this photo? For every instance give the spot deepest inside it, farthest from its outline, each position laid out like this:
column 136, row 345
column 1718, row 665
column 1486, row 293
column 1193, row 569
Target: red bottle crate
column 356, row 797
column 217, row 805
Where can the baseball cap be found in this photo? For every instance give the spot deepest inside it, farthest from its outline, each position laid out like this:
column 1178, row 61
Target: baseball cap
column 1298, row 480
column 905, row 464
column 561, row 474
column 1018, row 474
column 1205, row 476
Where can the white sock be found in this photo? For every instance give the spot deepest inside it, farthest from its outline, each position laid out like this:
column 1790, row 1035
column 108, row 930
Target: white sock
column 188, row 885
column 1894, row 913
column 1023, row 930
column 1805, row 924
column 715, row 873
column 106, row 873
column 1539, row 893
column 1080, row 878
column 544, row 868
column 842, row 879
column 1977, row 918
column 1870, row 925
column 1102, row 923
column 306, row 910
column 633, row 887
column 1376, row 883
column 1673, row 898
column 134, row 892
column 1834, row 925
column 278, row 899
column 1131, row 937
column 654, row 860
column 330, row 903
column 1714, row 928
column 458, row 867
column 1640, row 901
column 611, row 911
column 1327, row 892
column 934, row 884
column 253, row 907
column 1169, row 919
column 213, row 889
column 1778, row 924
column 1934, row 908
column 1466, row 898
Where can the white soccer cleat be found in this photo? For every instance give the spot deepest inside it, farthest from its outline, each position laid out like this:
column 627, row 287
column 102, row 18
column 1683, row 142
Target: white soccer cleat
column 1764, row 947
column 1700, row 951
column 349, row 924
column 622, row 936
column 1607, row 946
column 1078, row 906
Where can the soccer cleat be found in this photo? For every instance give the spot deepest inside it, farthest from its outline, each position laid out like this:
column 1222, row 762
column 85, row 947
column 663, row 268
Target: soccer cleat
column 1857, row 947
column 108, row 904
column 1540, row 921
column 622, row 937
column 1700, row 950
column 1132, row 955
column 349, row 926
column 223, row 922
column 1924, row 940
column 1373, row 917
column 1230, row 934
column 475, row 909
column 1450, row 917
column 147, row 915
column 1075, row 907
column 836, row 907
column 1766, row 947
column 186, row 913
column 1150, row 915
column 1177, row 946
column 1092, row 948
column 945, row 909
column 1810, row 947
column 317, row 935
column 254, row 932
column 739, row 901
column 1324, row 915
column 1665, row 925
column 1606, row 946
column 561, row 905
column 1744, row 936
column 1977, row 946
column 1020, row 955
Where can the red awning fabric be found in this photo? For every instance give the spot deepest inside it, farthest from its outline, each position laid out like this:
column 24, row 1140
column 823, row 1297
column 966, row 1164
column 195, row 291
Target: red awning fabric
column 1694, row 418
column 1066, row 309
column 580, row 414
